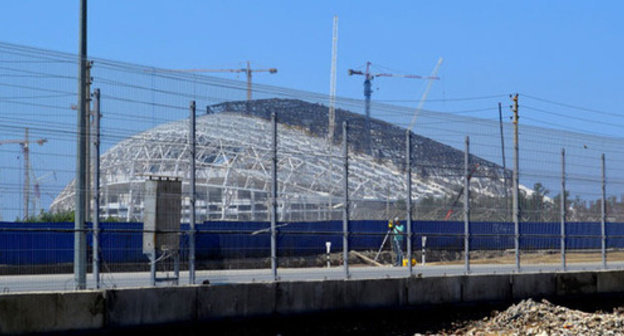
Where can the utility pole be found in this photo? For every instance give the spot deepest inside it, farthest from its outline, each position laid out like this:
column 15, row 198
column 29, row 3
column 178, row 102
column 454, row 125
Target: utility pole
column 90, row 123
column 516, row 185
column 80, row 242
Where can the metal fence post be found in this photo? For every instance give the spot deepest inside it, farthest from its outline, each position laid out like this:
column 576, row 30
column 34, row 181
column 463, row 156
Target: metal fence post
column 516, row 185
column 467, row 206
column 273, row 195
column 408, row 199
column 96, row 189
column 603, row 215
column 345, row 210
column 191, row 140
column 563, row 210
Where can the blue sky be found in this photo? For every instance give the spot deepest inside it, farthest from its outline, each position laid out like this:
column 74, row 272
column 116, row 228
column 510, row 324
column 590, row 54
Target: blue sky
column 567, row 51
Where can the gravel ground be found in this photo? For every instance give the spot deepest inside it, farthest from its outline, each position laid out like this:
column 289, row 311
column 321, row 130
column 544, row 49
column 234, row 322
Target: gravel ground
column 543, row 318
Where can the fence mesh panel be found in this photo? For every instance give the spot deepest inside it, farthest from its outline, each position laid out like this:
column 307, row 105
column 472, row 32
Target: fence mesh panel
column 145, row 134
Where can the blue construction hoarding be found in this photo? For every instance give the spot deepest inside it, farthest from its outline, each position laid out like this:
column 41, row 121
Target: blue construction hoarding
column 52, row 243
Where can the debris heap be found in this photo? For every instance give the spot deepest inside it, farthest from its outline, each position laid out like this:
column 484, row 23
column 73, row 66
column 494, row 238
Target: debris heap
column 544, row 318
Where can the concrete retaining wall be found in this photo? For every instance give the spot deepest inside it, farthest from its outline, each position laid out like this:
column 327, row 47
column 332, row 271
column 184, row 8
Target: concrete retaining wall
column 46, row 312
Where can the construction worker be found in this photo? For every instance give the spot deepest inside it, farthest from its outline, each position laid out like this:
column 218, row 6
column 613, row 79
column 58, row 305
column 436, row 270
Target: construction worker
column 397, row 240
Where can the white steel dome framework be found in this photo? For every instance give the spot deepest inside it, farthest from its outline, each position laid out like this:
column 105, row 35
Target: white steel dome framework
column 233, row 166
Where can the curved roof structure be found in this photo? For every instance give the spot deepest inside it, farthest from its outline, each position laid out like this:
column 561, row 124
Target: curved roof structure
column 233, row 165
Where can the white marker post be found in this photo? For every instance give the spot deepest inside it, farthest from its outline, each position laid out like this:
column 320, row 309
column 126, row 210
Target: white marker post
column 328, row 251
column 424, row 245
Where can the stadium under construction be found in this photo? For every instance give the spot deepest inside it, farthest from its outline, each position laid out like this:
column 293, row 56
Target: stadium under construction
column 233, row 165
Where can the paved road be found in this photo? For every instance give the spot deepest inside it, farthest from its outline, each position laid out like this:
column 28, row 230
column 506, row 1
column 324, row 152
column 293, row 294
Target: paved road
column 60, row 282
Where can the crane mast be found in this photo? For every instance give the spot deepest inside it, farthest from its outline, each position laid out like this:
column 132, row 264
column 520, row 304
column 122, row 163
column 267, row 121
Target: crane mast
column 423, row 98
column 25, row 144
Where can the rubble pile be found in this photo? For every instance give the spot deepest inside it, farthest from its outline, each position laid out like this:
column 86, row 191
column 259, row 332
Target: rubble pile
column 544, row 318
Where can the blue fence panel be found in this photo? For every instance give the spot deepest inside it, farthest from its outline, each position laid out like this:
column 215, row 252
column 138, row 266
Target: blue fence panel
column 440, row 234
column 308, row 238
column 582, row 236
column 491, row 236
column 539, row 236
column 222, row 239
column 367, row 234
column 30, row 247
column 121, row 242
column 615, row 235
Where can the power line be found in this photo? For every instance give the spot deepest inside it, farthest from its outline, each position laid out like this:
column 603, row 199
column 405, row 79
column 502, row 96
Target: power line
column 443, row 100
column 574, row 106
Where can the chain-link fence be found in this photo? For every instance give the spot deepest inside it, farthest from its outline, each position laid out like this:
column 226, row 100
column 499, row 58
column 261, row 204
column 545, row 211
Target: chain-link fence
column 279, row 190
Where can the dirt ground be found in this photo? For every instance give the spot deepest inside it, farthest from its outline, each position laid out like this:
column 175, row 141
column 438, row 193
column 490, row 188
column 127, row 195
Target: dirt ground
column 490, row 257
column 539, row 257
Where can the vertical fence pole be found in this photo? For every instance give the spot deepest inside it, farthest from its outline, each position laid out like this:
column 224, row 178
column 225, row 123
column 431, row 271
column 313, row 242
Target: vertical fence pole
column 563, row 210
column 192, row 143
column 80, row 241
column 603, row 215
column 516, row 185
column 26, row 186
column 273, row 195
column 408, row 198
column 467, row 206
column 96, row 190
column 345, row 208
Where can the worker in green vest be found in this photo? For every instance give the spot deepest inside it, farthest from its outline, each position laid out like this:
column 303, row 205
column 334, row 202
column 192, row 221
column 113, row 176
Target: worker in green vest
column 397, row 240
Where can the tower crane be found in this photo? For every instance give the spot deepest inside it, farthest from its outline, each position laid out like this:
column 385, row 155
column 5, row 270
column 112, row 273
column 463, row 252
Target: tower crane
column 368, row 77
column 25, row 144
column 248, row 71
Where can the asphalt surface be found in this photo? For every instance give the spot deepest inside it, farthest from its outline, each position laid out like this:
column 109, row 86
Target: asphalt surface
column 64, row 282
